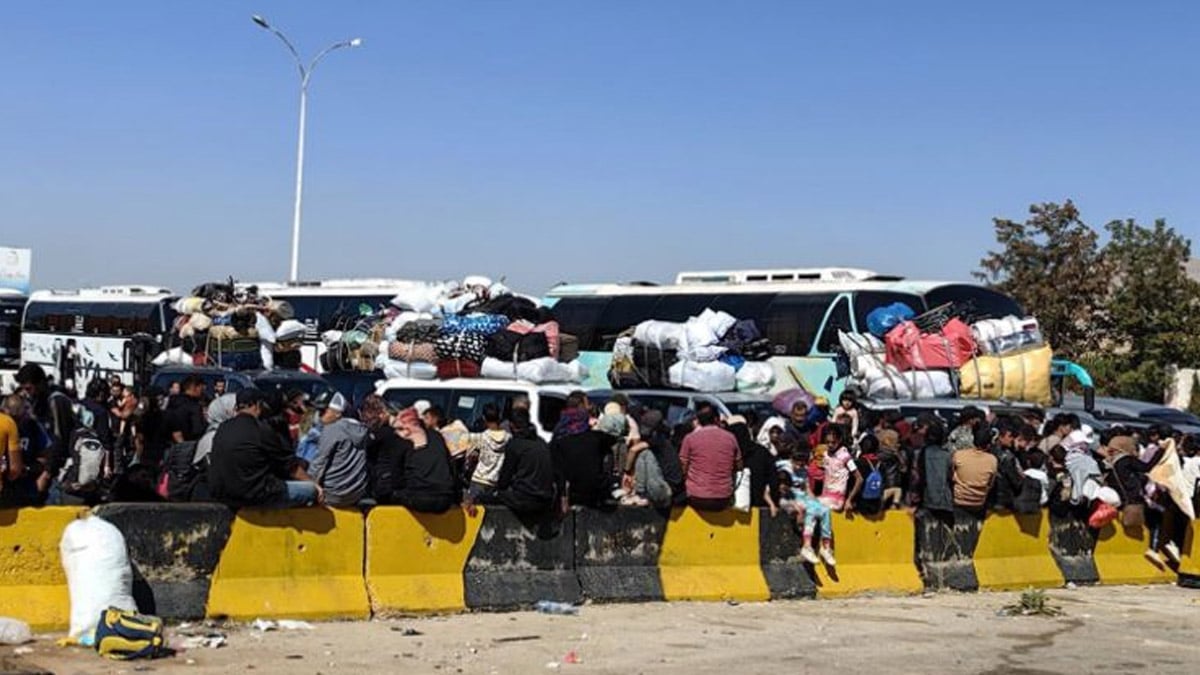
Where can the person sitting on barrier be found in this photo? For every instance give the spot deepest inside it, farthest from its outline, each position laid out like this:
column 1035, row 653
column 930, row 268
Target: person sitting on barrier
column 893, row 467
column 962, row 435
column 579, row 453
column 1009, row 480
column 384, row 448
column 1158, row 499
column 1035, row 485
column 763, row 484
column 795, row 490
column 974, row 469
column 842, row 483
column 797, row 424
column 487, row 449
column 340, row 467
column 930, row 481
column 423, row 480
column 526, row 481
column 866, row 460
column 709, row 458
column 657, row 437
column 250, row 465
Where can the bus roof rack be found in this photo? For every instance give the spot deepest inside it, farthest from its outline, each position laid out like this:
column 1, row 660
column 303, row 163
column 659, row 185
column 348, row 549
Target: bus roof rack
column 797, row 275
column 131, row 290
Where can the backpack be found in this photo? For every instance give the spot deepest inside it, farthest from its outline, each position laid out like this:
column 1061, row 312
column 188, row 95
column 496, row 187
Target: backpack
column 180, row 472
column 85, row 461
column 1029, row 499
column 873, row 487
column 123, row 635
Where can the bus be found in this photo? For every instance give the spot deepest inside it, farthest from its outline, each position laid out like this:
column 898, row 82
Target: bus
column 333, row 304
column 12, row 304
column 799, row 310
column 102, row 324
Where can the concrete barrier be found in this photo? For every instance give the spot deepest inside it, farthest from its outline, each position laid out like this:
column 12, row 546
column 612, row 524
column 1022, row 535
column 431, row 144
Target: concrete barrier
column 1014, row 553
column 174, row 550
column 945, row 548
column 874, row 555
column 616, row 554
column 415, row 561
column 515, row 563
column 33, row 585
column 712, row 556
column 779, row 540
column 1119, row 557
column 1189, row 559
column 1072, row 544
column 293, row 563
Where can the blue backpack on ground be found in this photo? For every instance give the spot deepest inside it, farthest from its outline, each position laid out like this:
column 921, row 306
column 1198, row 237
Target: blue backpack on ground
column 873, row 487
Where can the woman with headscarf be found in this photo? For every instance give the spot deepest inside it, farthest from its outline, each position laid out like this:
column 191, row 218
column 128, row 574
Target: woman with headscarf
column 221, row 409
column 423, row 479
column 763, row 484
column 579, row 452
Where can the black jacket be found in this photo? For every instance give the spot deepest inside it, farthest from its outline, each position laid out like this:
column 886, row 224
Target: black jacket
column 384, row 452
column 425, row 471
column 248, row 464
column 761, row 464
column 528, row 470
column 579, row 466
column 186, row 416
column 1008, row 480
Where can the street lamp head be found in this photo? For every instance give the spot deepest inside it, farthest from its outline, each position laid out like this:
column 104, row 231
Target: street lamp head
column 260, row 21
column 356, row 42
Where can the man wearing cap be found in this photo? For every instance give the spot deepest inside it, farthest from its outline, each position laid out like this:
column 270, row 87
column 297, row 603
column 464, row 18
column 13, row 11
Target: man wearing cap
column 340, row 467
column 249, row 465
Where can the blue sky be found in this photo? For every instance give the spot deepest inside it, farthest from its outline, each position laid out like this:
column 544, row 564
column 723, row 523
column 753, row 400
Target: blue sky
column 154, row 142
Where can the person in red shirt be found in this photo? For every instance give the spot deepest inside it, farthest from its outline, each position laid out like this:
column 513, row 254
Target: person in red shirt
column 709, row 457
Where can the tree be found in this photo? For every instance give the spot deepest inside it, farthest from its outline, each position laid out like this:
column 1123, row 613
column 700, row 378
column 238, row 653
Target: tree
column 1152, row 312
column 1052, row 264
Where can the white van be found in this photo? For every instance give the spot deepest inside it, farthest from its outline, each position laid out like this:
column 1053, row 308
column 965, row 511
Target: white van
column 464, row 398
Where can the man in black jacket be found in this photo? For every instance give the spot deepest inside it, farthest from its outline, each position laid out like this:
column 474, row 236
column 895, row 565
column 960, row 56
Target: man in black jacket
column 250, row 466
column 526, row 484
column 185, row 411
column 55, row 412
column 1008, row 470
column 384, row 449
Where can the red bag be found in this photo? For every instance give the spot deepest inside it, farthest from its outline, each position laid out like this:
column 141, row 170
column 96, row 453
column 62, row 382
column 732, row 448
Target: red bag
column 910, row 349
column 1102, row 515
column 448, row 369
column 550, row 328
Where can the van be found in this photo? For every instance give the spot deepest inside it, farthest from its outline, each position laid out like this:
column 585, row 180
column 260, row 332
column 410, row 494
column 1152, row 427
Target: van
column 464, row 398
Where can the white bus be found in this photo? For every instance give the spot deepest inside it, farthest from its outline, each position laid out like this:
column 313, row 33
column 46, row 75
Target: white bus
column 12, row 304
column 100, row 321
column 333, row 304
column 799, row 310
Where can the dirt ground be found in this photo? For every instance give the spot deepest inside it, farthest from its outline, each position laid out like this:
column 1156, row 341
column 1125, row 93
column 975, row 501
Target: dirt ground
column 1112, row 629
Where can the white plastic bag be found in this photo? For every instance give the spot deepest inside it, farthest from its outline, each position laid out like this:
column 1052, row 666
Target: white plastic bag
column 711, row 376
column 860, row 344
column 661, row 334
column 98, row 573
column 290, row 330
column 175, row 355
column 538, row 371
column 418, row 370
column 755, row 377
column 741, row 492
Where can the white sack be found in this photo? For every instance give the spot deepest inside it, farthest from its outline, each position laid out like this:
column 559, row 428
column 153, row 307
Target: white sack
column 889, row 383
column 290, row 330
column 661, row 334
column 711, row 376
column 755, row 377
column 859, row 344
column 418, row 370
column 545, row 370
column 173, row 356
column 98, row 573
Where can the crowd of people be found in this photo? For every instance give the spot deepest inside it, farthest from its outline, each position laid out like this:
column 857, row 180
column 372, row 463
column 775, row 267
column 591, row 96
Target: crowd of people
column 262, row 449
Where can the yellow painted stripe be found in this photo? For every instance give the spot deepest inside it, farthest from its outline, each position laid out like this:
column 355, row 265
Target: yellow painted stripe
column 33, row 585
column 293, row 563
column 1014, row 553
column 873, row 556
column 712, row 556
column 1189, row 559
column 415, row 561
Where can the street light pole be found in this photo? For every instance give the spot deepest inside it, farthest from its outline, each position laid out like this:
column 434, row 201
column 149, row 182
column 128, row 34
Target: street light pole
column 305, row 77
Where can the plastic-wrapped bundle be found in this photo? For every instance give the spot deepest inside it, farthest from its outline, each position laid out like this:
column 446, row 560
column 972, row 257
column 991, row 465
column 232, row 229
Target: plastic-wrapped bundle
column 511, row 346
column 416, row 371
column 484, row 324
column 1007, row 335
column 706, row 376
column 879, row 380
column 661, row 334
column 1024, row 376
column 411, row 352
column 910, row 349
column 755, row 377
column 538, row 371
column 420, row 330
column 858, row 344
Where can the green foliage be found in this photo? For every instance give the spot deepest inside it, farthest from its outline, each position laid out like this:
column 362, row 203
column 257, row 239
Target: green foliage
column 1127, row 311
column 1032, row 603
column 1052, row 264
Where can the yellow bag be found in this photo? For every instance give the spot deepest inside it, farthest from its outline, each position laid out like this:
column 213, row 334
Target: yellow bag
column 1024, row 376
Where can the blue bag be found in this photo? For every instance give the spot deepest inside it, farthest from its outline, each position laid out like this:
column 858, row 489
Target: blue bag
column 883, row 319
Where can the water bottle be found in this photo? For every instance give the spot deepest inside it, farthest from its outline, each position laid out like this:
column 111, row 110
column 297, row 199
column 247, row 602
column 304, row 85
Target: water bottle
column 14, row 632
column 551, row 607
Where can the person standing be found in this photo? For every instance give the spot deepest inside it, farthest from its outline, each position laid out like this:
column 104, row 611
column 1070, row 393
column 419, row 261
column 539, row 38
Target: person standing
column 56, row 414
column 185, row 412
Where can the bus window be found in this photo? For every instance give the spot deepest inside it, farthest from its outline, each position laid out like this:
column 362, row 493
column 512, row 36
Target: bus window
column 791, row 322
column 680, row 307
column 622, row 313
column 579, row 317
column 982, row 303
column 866, row 302
column 838, row 320
column 744, row 305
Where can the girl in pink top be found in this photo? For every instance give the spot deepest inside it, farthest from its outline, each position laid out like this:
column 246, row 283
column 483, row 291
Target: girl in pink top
column 841, row 475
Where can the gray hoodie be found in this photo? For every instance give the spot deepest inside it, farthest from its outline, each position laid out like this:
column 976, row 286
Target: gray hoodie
column 491, row 445
column 340, row 466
